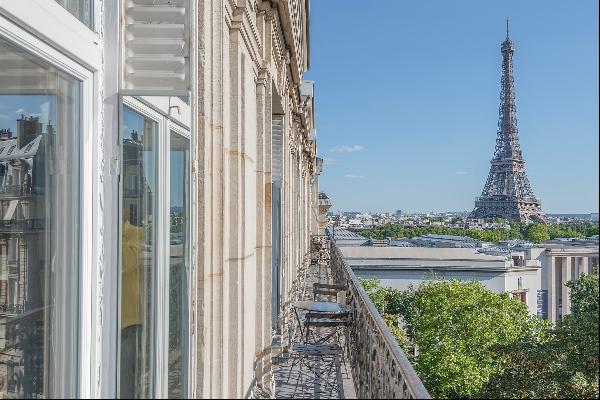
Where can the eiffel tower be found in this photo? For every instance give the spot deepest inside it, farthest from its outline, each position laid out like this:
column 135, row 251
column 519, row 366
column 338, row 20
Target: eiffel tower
column 507, row 192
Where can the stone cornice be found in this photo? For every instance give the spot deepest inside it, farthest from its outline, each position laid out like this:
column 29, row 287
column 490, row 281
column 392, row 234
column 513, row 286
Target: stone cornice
column 288, row 19
column 239, row 17
column 263, row 77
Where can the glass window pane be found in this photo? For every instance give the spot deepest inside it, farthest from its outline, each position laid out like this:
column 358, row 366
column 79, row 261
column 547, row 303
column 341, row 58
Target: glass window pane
column 81, row 9
column 178, row 266
column 138, row 255
column 39, row 227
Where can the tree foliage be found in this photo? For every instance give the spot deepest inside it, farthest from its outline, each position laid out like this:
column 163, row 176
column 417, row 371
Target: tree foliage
column 534, row 232
column 455, row 325
column 471, row 342
column 386, row 300
column 537, row 233
column 563, row 366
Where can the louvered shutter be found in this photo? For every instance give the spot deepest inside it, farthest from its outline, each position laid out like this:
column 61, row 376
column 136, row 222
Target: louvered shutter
column 156, row 47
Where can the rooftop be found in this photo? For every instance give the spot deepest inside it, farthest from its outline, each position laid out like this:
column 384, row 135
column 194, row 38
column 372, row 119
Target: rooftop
column 419, row 258
column 344, row 237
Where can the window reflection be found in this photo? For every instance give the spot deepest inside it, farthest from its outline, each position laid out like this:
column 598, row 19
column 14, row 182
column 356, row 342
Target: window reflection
column 81, row 9
column 137, row 279
column 178, row 266
column 39, row 226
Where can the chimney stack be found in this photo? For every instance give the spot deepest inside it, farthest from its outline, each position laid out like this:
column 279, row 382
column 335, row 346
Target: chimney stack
column 5, row 134
column 27, row 130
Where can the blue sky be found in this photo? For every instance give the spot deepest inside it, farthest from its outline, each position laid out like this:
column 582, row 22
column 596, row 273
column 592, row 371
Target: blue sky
column 407, row 96
column 13, row 106
column 177, row 157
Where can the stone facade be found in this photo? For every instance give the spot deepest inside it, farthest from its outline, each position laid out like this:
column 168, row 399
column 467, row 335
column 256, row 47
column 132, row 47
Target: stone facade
column 560, row 264
column 252, row 55
column 251, row 129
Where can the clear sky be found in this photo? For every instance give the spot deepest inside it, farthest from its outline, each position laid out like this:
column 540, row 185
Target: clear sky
column 407, row 96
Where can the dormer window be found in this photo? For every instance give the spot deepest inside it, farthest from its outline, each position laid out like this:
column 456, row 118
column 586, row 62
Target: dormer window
column 10, row 150
column 28, row 147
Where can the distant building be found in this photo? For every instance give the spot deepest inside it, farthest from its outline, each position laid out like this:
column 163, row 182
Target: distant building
column 399, row 267
column 564, row 260
column 324, row 207
column 442, row 241
column 413, row 260
column 22, row 206
column 344, row 237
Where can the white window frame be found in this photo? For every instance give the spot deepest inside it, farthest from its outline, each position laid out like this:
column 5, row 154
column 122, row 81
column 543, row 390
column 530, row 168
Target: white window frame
column 24, row 24
column 154, row 108
column 48, row 19
column 173, row 126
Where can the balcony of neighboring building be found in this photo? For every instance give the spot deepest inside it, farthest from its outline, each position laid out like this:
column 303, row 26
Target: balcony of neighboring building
column 15, row 191
column 333, row 343
column 29, row 225
column 324, row 201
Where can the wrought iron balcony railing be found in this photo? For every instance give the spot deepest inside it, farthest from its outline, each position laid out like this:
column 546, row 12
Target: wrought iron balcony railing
column 15, row 190
column 380, row 368
column 22, row 225
column 324, row 202
column 11, row 309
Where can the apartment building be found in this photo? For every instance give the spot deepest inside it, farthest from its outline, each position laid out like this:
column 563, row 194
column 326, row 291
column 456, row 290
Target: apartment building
column 158, row 188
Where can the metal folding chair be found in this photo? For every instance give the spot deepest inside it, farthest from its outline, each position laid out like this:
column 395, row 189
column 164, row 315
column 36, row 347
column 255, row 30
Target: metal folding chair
column 321, row 360
column 327, row 289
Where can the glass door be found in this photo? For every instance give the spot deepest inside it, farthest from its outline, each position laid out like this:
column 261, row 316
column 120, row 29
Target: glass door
column 155, row 256
column 179, row 194
column 138, row 254
column 40, row 132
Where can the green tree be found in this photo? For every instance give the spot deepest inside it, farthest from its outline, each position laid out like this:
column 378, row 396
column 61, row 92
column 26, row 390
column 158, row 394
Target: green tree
column 532, row 232
column 591, row 229
column 454, row 326
column 456, row 220
column 387, row 302
column 564, row 364
column 537, row 233
column 367, row 233
column 515, row 230
column 392, row 322
column 376, row 293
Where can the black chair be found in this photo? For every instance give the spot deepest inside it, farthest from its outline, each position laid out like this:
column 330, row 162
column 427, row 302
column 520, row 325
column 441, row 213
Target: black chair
column 320, row 359
column 327, row 289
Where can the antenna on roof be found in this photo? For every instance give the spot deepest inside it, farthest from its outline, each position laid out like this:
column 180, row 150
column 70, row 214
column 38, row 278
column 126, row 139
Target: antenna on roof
column 506, row 27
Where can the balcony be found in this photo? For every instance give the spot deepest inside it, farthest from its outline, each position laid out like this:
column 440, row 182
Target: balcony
column 371, row 364
column 9, row 191
column 324, row 200
column 22, row 225
column 11, row 309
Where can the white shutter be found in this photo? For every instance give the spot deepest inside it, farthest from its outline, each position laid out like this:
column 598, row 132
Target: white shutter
column 156, row 42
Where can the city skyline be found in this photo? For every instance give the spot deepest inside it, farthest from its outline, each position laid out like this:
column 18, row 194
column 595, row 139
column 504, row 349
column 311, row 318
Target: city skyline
column 391, row 153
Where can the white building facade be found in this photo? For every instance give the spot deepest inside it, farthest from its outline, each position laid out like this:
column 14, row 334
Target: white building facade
column 138, row 141
column 563, row 261
column 400, row 267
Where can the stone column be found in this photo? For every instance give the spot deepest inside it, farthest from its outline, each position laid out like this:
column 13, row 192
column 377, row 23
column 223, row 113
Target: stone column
column 567, row 275
column 552, row 295
column 593, row 264
column 262, row 327
column 586, row 265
